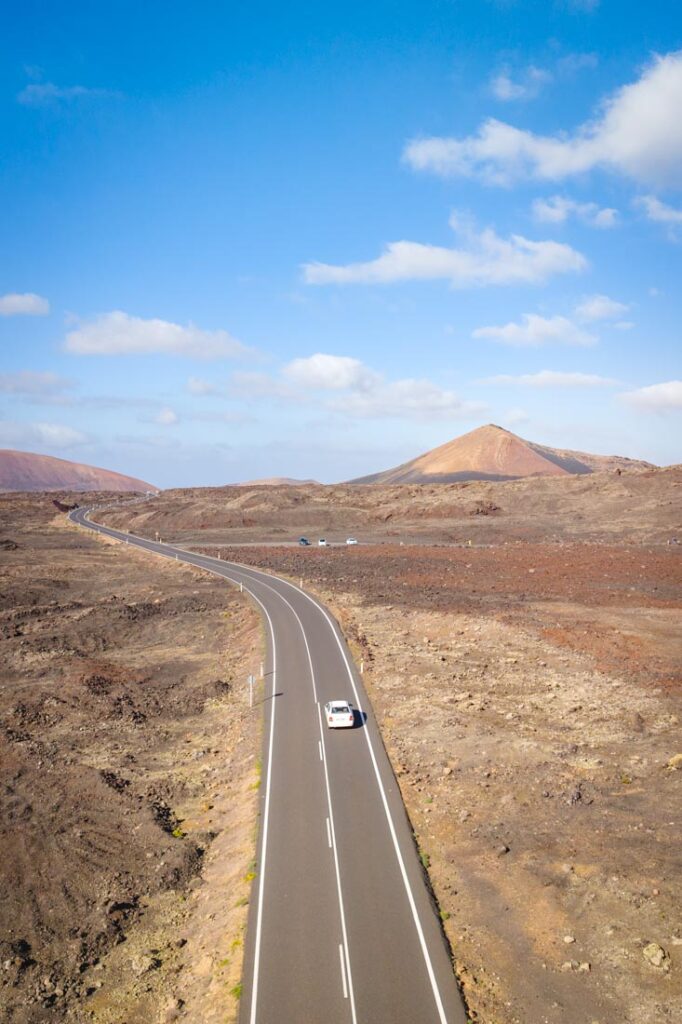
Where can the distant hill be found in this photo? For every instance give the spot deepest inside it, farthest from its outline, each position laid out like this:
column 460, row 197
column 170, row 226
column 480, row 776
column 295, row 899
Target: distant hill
column 492, row 453
column 26, row 471
column 275, row 481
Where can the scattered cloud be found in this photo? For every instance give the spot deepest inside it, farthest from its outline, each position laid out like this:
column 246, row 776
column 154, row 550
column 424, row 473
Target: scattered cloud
column 41, row 94
column 405, row 399
column 167, row 417
column 483, row 259
column 32, row 384
column 535, row 331
column 525, row 87
column 553, row 379
column 661, row 213
column 600, row 307
column 637, row 133
column 27, row 304
column 40, row 435
column 558, row 209
column 666, row 397
column 623, row 325
column 345, row 385
column 333, row 373
column 117, row 333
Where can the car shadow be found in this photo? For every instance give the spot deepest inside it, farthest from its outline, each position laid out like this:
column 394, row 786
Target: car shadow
column 359, row 718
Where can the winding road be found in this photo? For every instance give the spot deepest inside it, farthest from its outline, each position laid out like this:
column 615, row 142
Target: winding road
column 341, row 929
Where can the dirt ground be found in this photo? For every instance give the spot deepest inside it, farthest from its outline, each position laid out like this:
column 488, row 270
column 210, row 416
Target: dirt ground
column 128, row 779
column 528, row 690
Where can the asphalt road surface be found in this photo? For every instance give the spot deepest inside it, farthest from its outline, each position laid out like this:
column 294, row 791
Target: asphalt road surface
column 341, row 927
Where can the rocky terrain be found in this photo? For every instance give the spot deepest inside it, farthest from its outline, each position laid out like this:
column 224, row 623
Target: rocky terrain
column 129, row 775
column 526, row 674
column 25, row 471
column 631, row 507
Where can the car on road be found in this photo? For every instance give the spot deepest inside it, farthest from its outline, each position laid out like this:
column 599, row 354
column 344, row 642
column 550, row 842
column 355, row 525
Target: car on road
column 322, row 543
column 304, row 542
column 351, row 540
column 339, row 714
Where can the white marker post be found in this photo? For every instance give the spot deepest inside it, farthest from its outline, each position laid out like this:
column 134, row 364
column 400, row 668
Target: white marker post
column 251, row 681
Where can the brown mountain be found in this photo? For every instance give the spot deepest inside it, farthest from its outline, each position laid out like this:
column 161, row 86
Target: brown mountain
column 25, row 471
column 492, row 453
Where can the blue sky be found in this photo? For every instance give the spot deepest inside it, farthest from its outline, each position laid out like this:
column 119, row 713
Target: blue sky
column 317, row 240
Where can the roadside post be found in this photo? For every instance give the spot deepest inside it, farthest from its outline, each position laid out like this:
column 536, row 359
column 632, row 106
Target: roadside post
column 251, row 681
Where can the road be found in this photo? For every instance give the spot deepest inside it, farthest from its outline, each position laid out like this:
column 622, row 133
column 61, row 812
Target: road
column 341, row 926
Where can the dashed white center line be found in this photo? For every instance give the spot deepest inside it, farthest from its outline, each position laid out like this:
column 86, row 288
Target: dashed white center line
column 343, row 972
column 329, row 834
column 319, row 747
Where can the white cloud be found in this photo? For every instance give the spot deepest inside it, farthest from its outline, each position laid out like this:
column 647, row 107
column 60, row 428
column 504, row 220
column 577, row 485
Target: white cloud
column 27, row 304
column 118, row 333
column 557, row 210
column 600, row 307
column 405, row 399
column 661, row 213
column 526, row 86
column 665, row 397
column 30, row 383
column 167, row 417
column 638, row 133
column 553, row 379
column 623, row 325
column 485, row 259
column 41, row 435
column 534, row 331
column 358, row 391
column 335, row 373
column 40, row 94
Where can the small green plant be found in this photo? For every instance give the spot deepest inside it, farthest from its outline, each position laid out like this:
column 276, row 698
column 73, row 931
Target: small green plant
column 236, row 943
column 243, row 902
column 425, row 859
column 237, row 991
column 224, row 962
column 626, row 780
column 444, row 915
column 249, row 876
column 178, row 833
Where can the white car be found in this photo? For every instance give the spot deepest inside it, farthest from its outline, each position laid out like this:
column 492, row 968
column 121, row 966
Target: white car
column 321, row 543
column 351, row 540
column 339, row 714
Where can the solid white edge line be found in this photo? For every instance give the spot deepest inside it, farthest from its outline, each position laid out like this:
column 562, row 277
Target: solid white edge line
column 343, row 972
column 403, row 871
column 266, row 806
column 329, row 834
column 319, row 747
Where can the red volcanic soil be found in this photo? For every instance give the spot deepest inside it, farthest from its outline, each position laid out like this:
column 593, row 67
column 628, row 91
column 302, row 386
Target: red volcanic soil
column 26, row 471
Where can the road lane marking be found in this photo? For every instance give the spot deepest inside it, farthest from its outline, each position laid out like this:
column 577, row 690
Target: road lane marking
column 258, row 576
column 329, row 834
column 343, row 972
column 319, row 747
column 396, row 845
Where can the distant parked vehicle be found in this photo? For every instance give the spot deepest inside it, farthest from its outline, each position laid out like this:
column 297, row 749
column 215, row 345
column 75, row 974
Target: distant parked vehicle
column 322, row 543
column 351, row 540
column 339, row 714
column 304, row 542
